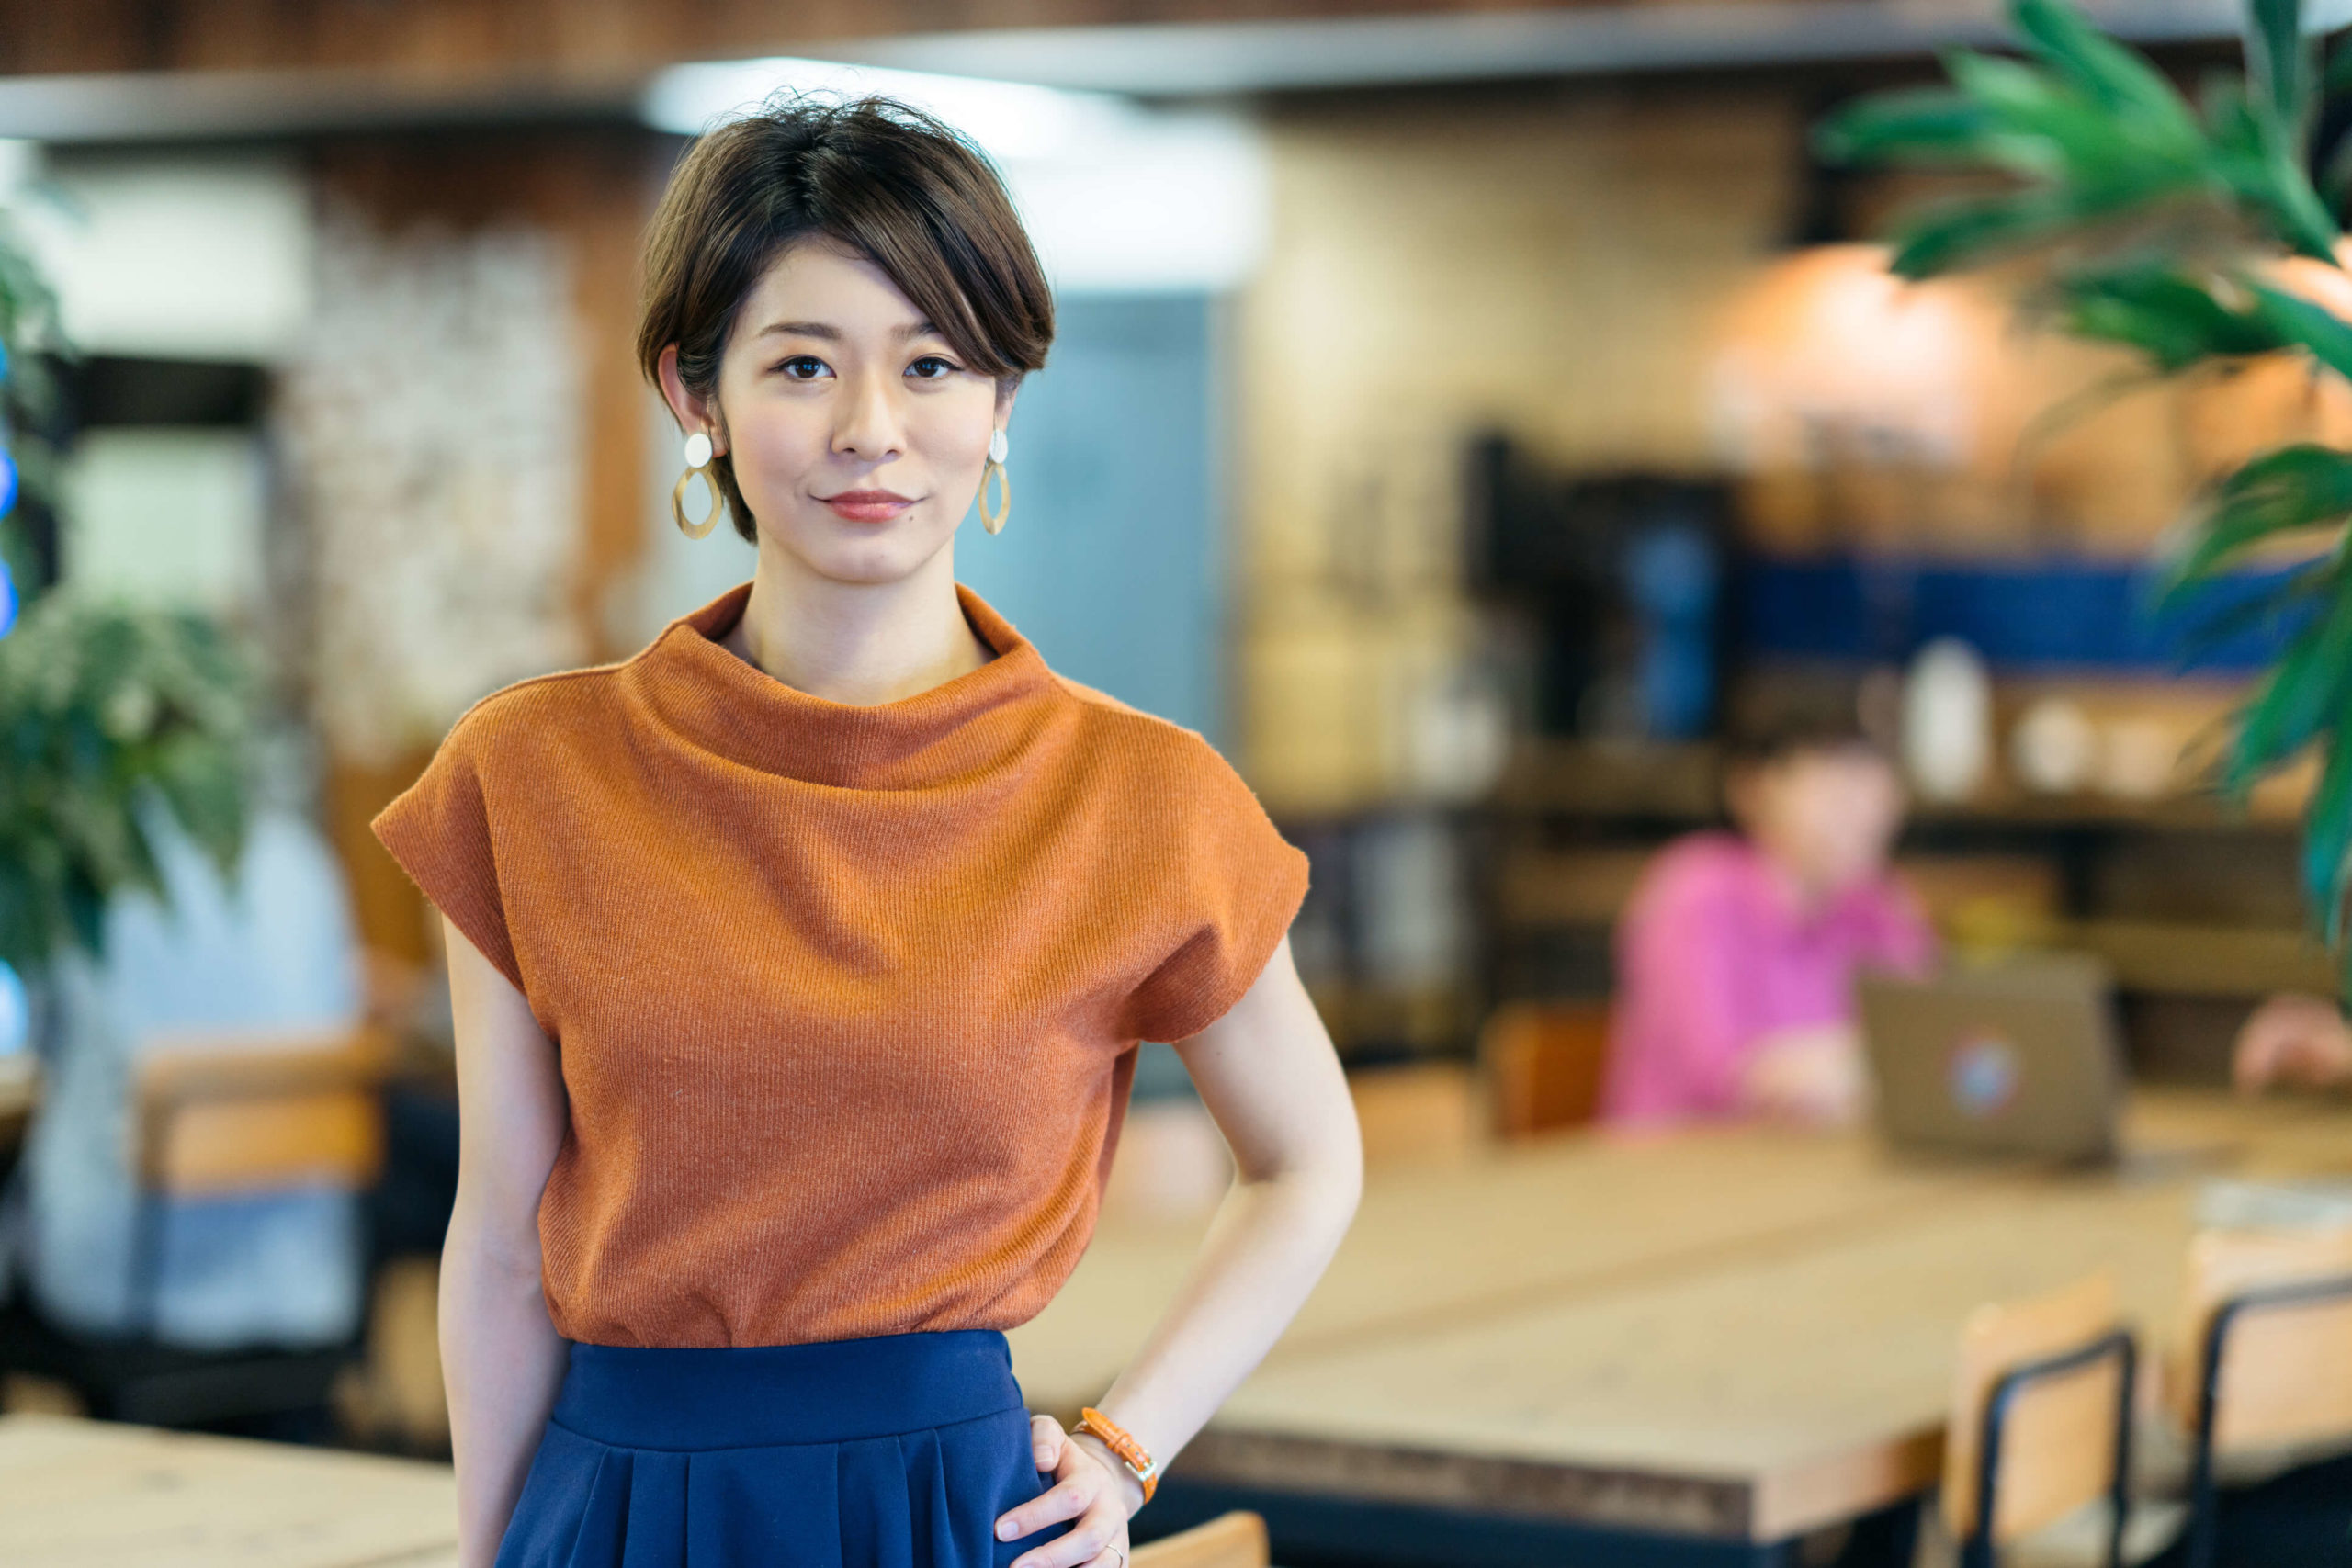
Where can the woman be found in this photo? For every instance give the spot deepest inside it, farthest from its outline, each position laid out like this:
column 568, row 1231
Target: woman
column 798, row 960
column 1736, row 955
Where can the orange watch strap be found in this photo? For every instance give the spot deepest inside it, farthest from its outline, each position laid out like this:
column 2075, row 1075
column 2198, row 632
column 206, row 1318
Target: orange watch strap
column 1117, row 1438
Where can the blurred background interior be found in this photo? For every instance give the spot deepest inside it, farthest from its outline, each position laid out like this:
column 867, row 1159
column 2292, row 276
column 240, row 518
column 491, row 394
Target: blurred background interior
column 1461, row 417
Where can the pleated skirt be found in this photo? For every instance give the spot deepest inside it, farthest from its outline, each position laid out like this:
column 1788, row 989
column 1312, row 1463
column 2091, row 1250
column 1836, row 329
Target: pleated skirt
column 893, row 1452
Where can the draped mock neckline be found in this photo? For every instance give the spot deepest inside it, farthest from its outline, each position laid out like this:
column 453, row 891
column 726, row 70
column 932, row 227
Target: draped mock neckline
column 714, row 699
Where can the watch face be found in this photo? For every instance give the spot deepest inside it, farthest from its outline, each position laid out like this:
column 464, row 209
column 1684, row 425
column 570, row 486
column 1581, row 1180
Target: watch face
column 1983, row 1072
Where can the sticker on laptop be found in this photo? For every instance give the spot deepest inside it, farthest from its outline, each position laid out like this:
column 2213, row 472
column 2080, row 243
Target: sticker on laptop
column 1983, row 1072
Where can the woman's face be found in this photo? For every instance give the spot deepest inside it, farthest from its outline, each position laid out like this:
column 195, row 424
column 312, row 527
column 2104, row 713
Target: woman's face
column 1829, row 815
column 858, row 433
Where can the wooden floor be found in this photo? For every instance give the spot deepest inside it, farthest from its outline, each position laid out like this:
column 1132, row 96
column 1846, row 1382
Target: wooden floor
column 1733, row 1337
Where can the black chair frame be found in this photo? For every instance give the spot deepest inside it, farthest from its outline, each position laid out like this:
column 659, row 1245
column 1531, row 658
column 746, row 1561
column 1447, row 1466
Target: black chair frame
column 2204, row 1495
column 1977, row 1550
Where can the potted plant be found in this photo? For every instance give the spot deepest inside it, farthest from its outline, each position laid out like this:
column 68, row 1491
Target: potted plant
column 2159, row 225
column 109, row 712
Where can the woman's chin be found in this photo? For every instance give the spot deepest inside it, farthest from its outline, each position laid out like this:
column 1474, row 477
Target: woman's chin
column 865, row 553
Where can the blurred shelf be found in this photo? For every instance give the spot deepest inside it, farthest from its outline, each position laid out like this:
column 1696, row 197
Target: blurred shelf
column 1667, row 781
column 1382, row 1020
column 1580, row 887
column 2161, row 958
column 2150, row 957
column 1673, row 783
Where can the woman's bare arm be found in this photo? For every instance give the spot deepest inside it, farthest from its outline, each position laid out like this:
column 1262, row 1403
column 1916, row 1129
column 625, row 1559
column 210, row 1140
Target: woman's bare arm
column 1268, row 1074
column 501, row 1359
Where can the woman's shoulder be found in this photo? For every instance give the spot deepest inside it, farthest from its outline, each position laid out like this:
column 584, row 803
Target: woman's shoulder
column 1701, row 870
column 540, row 712
column 1177, row 762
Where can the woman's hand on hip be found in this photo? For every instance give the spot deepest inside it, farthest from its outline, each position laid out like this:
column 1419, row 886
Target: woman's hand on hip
column 1090, row 1488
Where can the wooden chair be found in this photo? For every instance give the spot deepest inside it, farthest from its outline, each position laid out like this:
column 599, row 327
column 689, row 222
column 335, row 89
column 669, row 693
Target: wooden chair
column 1417, row 1112
column 1231, row 1540
column 2041, row 1420
column 216, row 1117
column 2271, row 1318
column 20, row 1088
column 1543, row 1063
column 212, row 1118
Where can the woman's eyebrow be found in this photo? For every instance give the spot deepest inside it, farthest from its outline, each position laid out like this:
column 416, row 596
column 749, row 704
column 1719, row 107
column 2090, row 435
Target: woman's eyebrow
column 833, row 334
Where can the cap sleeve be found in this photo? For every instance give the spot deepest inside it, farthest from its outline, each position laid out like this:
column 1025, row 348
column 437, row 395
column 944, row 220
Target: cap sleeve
column 1237, row 885
column 439, row 830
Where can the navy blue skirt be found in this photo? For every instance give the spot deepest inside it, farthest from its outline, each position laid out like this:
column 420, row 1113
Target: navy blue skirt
column 896, row 1452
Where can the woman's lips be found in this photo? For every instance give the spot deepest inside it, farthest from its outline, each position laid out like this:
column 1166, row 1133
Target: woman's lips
column 868, row 505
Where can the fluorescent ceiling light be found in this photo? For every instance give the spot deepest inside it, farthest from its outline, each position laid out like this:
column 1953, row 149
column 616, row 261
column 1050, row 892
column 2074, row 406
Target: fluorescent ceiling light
column 1118, row 199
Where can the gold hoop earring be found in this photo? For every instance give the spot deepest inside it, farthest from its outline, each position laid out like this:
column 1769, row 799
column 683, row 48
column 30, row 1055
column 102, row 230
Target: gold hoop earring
column 999, row 449
column 698, row 456
column 993, row 521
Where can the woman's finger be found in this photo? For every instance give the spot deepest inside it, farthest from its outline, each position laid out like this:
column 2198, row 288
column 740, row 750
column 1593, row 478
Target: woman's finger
column 1100, row 1528
column 1046, row 1438
column 1066, row 1500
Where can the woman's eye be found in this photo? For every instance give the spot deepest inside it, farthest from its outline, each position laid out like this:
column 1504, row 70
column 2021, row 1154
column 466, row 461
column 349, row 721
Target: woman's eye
column 931, row 368
column 802, row 368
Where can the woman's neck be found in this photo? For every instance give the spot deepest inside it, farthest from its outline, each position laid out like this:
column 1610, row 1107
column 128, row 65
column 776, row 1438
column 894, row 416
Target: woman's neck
column 857, row 643
column 1805, row 896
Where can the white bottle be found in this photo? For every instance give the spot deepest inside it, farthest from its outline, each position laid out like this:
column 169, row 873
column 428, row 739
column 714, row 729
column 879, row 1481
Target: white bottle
column 1947, row 720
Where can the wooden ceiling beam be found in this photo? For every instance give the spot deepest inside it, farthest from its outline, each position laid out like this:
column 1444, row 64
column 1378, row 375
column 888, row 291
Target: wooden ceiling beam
column 112, row 70
column 594, row 39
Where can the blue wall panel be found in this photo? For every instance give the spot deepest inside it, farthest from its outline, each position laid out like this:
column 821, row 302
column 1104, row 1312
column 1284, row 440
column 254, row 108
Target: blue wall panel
column 2052, row 615
column 1111, row 563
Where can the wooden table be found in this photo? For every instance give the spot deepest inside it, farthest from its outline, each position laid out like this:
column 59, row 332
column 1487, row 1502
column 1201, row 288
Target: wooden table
column 77, row 1494
column 1733, row 1336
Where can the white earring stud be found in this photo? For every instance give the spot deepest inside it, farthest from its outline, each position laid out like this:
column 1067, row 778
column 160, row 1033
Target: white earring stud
column 998, row 446
column 697, row 467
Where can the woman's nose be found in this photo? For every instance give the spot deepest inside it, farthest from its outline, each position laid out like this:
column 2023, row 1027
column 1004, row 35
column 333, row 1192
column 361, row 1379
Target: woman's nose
column 868, row 425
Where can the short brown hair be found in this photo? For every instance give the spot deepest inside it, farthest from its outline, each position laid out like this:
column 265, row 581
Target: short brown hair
column 873, row 175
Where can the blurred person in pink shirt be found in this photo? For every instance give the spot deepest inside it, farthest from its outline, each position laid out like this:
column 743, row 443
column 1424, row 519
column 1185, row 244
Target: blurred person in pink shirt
column 1738, row 951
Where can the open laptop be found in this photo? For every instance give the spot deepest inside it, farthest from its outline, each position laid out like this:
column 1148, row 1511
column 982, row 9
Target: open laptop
column 2016, row 1058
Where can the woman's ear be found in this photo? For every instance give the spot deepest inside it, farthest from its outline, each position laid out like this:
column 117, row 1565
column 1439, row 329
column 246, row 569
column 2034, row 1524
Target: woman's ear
column 693, row 413
column 1004, row 396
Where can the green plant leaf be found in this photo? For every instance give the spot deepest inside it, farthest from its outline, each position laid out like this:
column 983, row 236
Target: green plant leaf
column 2277, row 65
column 2258, row 164
column 2297, row 321
column 2299, row 696
column 1925, row 125
column 2043, row 126
column 1967, row 233
column 102, row 707
column 2327, row 835
column 2113, row 76
column 2170, row 317
column 2200, row 629
column 2299, row 487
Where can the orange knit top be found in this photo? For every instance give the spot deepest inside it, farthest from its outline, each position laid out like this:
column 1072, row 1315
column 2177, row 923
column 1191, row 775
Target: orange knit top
column 846, row 997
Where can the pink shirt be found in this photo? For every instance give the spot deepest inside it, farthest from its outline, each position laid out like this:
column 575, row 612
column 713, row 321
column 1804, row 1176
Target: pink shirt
column 1712, row 955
